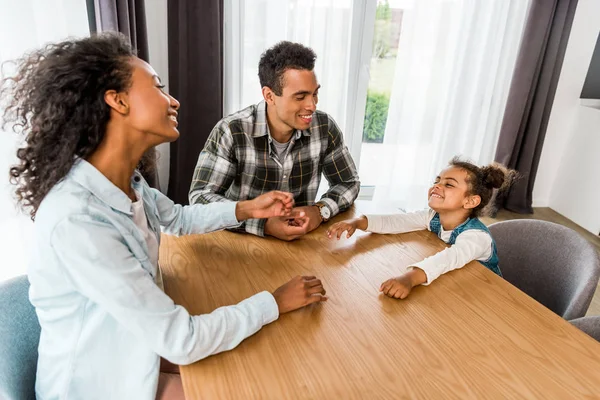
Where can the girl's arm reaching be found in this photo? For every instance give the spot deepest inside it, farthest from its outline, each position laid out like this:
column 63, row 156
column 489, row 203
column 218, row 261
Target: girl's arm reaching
column 392, row 223
column 469, row 246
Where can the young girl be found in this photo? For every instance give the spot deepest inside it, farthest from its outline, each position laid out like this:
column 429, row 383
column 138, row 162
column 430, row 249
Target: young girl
column 89, row 110
column 457, row 197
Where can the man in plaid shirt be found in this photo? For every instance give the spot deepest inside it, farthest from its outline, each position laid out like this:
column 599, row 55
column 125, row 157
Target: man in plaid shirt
column 282, row 143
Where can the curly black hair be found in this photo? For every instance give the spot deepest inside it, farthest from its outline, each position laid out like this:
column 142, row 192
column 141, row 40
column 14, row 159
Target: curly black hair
column 56, row 100
column 483, row 180
column 281, row 57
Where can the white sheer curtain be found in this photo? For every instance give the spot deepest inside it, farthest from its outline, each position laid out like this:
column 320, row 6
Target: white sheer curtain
column 454, row 65
column 24, row 26
column 252, row 26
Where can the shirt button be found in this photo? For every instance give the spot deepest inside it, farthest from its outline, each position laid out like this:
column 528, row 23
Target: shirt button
column 285, row 177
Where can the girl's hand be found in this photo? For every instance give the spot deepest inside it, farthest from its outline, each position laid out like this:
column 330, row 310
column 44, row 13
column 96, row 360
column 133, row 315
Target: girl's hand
column 400, row 287
column 350, row 226
column 271, row 204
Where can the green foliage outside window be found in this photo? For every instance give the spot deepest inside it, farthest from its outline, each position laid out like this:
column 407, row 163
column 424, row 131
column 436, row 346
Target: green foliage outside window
column 376, row 113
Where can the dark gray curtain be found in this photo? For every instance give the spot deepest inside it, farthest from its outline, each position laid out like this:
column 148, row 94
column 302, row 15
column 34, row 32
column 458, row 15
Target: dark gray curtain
column 125, row 16
column 531, row 96
column 195, row 79
column 129, row 18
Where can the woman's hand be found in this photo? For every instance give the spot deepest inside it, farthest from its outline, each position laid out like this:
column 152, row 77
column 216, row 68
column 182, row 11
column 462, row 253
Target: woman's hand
column 271, row 204
column 299, row 292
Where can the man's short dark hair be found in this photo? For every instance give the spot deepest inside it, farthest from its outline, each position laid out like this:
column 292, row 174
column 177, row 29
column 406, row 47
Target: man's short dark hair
column 281, row 57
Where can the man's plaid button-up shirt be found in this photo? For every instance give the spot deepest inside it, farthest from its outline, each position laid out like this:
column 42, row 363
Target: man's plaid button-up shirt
column 239, row 162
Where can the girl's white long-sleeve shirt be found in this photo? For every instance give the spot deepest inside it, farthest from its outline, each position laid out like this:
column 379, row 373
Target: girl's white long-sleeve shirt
column 470, row 245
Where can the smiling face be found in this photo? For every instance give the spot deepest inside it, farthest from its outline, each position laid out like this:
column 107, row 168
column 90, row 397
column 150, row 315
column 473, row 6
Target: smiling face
column 295, row 107
column 151, row 110
column 450, row 191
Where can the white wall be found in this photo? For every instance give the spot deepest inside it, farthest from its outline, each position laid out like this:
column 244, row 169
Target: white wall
column 576, row 191
column 156, row 21
column 568, row 179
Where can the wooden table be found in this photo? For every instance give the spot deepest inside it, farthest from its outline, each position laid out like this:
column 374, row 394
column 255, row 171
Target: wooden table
column 468, row 335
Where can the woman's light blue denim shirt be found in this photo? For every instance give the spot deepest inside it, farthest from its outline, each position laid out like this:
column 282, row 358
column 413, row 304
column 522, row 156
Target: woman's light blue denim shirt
column 104, row 319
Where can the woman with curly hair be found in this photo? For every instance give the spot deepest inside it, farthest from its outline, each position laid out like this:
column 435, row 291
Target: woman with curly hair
column 89, row 110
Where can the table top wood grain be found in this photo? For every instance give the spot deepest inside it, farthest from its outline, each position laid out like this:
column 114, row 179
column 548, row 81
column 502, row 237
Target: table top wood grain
column 468, row 335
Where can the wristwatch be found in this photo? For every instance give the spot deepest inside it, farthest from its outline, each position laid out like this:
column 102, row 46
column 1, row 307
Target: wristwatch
column 324, row 211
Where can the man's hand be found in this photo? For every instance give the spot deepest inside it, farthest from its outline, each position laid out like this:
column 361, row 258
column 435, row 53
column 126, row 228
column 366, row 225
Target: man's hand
column 312, row 218
column 299, row 292
column 287, row 228
column 271, row 204
column 298, row 223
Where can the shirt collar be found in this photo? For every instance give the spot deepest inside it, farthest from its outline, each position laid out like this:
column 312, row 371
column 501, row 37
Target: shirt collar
column 93, row 180
column 261, row 127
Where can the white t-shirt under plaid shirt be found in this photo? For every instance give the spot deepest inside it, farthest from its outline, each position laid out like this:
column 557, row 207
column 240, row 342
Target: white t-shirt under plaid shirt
column 239, row 162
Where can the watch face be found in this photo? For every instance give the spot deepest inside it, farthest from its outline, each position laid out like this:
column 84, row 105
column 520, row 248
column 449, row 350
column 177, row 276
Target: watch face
column 325, row 212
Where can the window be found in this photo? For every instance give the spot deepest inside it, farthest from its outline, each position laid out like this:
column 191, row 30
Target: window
column 410, row 82
column 27, row 25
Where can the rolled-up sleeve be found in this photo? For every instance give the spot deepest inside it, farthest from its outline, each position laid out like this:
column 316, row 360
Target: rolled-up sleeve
column 340, row 172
